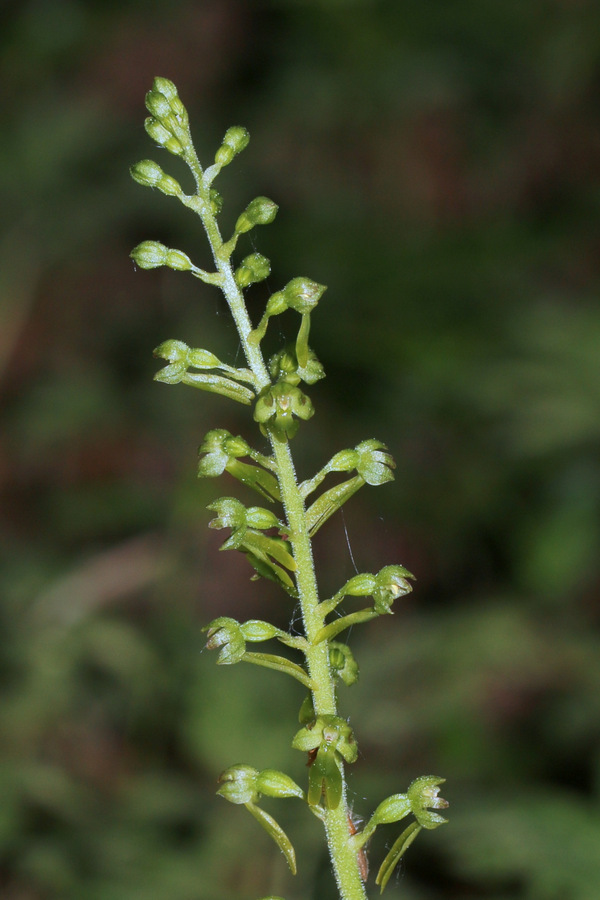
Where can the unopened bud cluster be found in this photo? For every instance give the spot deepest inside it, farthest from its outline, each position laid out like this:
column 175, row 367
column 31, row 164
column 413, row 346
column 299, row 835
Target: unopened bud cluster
column 152, row 254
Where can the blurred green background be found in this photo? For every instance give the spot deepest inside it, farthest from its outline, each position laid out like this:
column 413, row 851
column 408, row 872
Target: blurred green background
column 437, row 164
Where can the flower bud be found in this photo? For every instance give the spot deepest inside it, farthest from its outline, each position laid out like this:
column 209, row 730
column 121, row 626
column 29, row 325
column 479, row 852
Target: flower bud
column 150, row 174
column 165, row 86
column 238, row 784
column 147, row 172
column 149, row 254
column 260, row 211
column 156, row 131
column 302, row 294
column 254, row 268
column 277, row 784
column 157, row 104
column 284, row 366
column 163, row 136
column 235, row 140
column 276, row 304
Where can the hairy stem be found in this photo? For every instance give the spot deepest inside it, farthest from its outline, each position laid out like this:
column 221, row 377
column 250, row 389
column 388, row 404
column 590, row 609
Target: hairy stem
column 342, row 854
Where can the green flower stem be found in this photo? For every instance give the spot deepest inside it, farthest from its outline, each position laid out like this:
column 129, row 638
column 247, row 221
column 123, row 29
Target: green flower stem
column 342, row 853
column 334, row 628
column 279, row 664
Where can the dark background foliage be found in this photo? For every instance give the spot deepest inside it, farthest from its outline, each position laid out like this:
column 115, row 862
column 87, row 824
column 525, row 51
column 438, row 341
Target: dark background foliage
column 437, row 165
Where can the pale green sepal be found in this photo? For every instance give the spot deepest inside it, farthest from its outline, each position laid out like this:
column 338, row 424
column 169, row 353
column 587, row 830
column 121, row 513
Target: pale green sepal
column 306, row 713
column 276, row 832
column 279, row 664
column 330, row 501
column 325, row 779
column 260, row 211
column 397, row 851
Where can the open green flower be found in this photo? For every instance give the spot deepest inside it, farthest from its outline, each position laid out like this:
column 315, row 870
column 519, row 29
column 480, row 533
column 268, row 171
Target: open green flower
column 423, row 797
column 333, row 740
column 279, row 407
